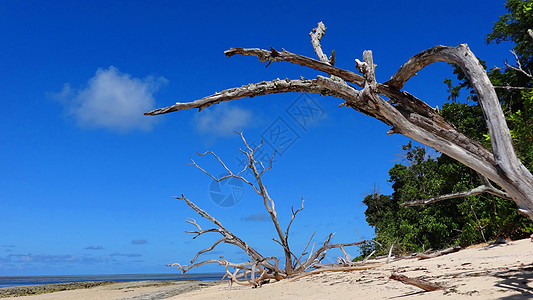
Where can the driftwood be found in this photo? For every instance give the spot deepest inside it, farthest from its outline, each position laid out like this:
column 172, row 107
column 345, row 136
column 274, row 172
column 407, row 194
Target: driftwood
column 405, row 113
column 421, row 256
column 425, row 285
column 259, row 269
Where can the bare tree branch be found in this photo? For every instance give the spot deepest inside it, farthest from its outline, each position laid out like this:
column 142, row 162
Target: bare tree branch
column 228, row 237
column 508, row 87
column 305, row 248
column 294, row 212
column 519, row 68
column 276, row 56
column 251, row 90
column 472, row 192
column 316, row 35
column 230, row 173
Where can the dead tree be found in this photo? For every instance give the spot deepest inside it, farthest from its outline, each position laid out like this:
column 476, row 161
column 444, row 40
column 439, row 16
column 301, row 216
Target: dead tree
column 405, row 113
column 259, row 268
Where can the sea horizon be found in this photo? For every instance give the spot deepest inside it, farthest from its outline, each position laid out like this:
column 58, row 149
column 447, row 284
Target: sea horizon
column 9, row 281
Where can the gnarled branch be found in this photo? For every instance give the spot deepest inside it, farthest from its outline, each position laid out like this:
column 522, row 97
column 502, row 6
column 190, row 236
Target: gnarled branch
column 405, row 113
column 251, row 90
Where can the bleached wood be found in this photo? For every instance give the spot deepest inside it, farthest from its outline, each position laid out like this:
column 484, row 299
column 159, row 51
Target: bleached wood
column 472, row 192
column 316, row 35
column 260, row 268
column 405, row 113
column 423, row 284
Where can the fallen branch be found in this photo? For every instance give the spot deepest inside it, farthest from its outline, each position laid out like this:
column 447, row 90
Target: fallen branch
column 425, row 285
column 421, row 256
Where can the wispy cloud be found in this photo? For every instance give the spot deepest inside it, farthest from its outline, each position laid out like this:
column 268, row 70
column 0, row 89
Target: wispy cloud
column 39, row 258
column 112, row 100
column 139, row 242
column 94, row 248
column 260, row 217
column 126, row 254
column 222, row 120
column 8, row 248
column 48, row 259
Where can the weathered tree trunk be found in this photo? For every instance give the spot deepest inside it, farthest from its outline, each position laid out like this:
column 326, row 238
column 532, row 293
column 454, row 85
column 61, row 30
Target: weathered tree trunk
column 405, row 113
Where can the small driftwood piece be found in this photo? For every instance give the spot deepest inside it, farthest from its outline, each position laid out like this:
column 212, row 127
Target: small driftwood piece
column 425, row 285
column 421, row 256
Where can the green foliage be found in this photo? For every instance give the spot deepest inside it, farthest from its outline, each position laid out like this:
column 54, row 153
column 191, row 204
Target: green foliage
column 462, row 221
column 521, row 125
column 513, row 27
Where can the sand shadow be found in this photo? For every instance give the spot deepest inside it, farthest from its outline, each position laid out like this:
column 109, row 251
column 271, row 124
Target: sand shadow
column 408, row 295
column 517, row 280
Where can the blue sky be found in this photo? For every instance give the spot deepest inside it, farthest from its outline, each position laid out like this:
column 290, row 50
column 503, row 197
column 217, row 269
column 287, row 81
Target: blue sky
column 86, row 181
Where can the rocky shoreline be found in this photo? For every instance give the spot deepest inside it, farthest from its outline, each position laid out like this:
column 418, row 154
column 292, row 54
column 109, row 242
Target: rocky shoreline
column 158, row 289
column 27, row 290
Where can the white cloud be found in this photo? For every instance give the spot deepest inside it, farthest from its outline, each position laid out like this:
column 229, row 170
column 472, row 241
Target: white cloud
column 113, row 100
column 222, row 120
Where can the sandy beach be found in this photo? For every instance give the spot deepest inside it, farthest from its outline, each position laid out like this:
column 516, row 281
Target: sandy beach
column 499, row 271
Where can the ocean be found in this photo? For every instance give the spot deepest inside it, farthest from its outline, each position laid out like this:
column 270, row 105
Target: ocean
column 6, row 281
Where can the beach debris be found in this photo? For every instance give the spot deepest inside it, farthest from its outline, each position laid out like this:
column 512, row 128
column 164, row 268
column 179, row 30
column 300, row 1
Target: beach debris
column 500, row 241
column 423, row 284
column 389, row 257
column 421, row 256
column 261, row 269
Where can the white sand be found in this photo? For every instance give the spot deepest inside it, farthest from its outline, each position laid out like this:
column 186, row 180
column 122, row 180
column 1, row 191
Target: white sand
column 481, row 272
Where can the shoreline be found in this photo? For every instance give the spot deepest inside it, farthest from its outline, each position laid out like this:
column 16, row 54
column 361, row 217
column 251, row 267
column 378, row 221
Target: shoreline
column 146, row 289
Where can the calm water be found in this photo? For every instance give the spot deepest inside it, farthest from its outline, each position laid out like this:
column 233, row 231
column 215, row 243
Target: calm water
column 30, row 280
